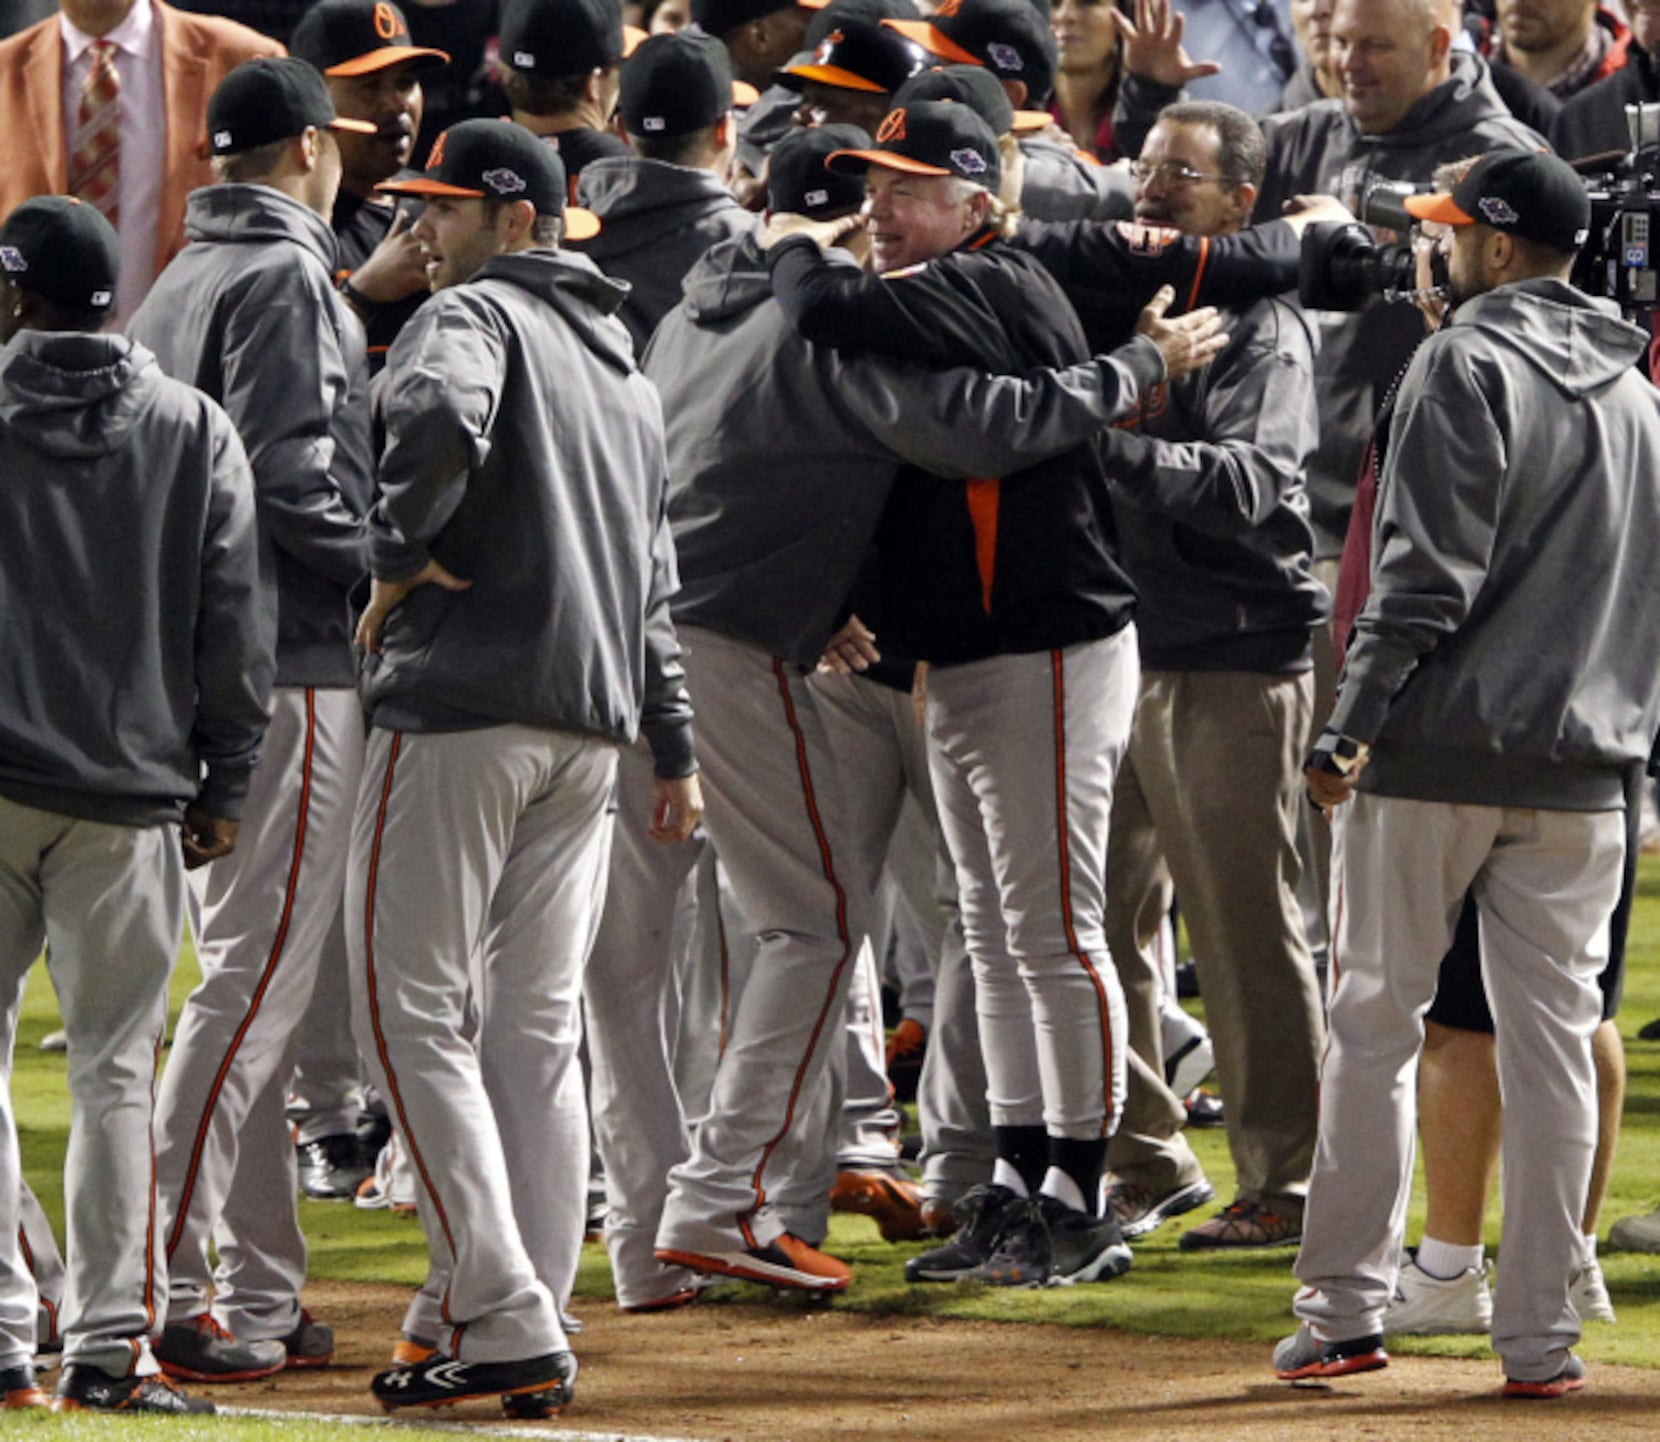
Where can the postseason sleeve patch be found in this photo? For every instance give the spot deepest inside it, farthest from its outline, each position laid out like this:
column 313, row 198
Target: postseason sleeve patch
column 1147, row 239
column 905, row 270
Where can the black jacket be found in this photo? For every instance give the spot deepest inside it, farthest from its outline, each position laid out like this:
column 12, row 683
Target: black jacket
column 1593, row 122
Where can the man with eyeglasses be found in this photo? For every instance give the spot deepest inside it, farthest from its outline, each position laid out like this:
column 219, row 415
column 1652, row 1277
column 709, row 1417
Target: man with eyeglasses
column 1207, row 490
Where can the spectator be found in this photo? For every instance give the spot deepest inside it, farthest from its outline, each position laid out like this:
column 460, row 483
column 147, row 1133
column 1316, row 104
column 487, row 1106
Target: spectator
column 1593, row 122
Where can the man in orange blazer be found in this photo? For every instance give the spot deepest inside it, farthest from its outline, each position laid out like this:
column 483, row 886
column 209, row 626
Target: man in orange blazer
column 167, row 63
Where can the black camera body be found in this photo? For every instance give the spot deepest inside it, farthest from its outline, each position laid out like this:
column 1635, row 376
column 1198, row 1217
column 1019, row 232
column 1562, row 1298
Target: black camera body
column 1345, row 267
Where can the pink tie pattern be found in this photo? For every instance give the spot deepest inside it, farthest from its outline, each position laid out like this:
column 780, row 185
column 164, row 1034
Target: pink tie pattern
column 95, row 162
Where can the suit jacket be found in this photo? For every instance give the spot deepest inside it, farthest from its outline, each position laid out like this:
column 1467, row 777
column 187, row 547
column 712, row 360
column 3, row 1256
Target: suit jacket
column 197, row 52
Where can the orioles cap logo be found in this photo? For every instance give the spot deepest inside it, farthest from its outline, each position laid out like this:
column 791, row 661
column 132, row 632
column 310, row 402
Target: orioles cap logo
column 829, row 43
column 387, row 21
column 436, row 157
column 892, row 127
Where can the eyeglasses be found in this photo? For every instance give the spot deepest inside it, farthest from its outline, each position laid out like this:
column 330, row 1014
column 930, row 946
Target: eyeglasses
column 1174, row 172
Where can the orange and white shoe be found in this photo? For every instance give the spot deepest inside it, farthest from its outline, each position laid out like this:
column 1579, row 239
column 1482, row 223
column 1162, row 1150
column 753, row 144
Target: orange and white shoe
column 893, row 1203
column 786, row 1261
column 19, row 1390
column 410, row 1351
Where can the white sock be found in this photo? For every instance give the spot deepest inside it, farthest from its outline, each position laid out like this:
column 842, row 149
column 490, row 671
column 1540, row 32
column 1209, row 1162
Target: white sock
column 1446, row 1260
column 1588, row 1249
column 1062, row 1188
column 1006, row 1174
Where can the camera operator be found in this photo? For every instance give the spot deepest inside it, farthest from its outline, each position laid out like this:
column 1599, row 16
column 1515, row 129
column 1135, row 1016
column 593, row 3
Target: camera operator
column 1468, row 755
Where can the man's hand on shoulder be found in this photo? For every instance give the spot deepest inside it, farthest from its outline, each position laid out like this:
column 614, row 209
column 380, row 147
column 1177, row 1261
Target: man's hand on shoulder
column 1186, row 343
column 1302, row 211
column 825, row 232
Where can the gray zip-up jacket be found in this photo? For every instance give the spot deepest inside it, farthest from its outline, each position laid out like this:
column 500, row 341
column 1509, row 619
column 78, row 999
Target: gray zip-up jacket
column 524, row 453
column 248, row 313
column 658, row 220
column 1207, row 487
column 136, row 664
column 782, row 452
column 1506, row 653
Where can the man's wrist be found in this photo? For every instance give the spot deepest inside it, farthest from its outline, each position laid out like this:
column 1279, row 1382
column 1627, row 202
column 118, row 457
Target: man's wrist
column 1337, row 754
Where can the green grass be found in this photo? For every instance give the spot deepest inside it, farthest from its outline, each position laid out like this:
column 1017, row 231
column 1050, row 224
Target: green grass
column 1242, row 1297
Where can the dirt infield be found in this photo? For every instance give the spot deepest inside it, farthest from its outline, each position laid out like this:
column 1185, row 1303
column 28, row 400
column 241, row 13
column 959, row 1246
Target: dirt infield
column 775, row 1372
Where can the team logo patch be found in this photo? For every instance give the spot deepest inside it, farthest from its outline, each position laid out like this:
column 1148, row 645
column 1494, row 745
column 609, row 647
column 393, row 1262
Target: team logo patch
column 817, row 197
column 1497, row 210
column 1005, row 57
column 102, row 297
column 504, row 181
column 892, row 127
column 221, row 140
column 828, row 44
column 524, row 60
column 12, row 259
column 387, row 23
column 652, row 122
column 968, row 162
column 1147, row 239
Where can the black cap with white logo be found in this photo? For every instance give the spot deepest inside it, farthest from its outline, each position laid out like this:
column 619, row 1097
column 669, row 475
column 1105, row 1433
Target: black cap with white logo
column 62, row 249
column 800, row 183
column 932, row 137
column 1522, row 192
column 270, row 99
column 1008, row 37
column 498, row 160
column 359, row 37
column 675, row 84
column 859, row 55
column 561, row 37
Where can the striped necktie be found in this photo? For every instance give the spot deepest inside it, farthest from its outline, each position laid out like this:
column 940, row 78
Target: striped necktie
column 95, row 164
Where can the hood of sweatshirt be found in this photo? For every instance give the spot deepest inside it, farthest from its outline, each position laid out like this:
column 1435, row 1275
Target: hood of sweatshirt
column 1465, row 98
column 573, row 285
column 75, row 395
column 256, row 214
column 639, row 200
column 729, row 280
column 1579, row 344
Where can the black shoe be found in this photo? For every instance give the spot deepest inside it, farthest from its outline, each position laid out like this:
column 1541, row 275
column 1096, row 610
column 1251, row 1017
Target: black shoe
column 201, row 1350
column 981, row 1213
column 83, row 1388
column 19, row 1391
column 374, row 1129
column 1051, row 1244
column 332, row 1168
column 1139, row 1210
column 545, row 1383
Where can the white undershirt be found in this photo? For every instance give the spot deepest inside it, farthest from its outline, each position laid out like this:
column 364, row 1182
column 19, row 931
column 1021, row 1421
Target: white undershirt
column 143, row 125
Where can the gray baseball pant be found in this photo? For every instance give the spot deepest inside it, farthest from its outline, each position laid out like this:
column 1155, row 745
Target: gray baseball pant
column 1024, row 750
column 38, row 1252
column 1545, row 883
column 483, row 853
column 108, row 902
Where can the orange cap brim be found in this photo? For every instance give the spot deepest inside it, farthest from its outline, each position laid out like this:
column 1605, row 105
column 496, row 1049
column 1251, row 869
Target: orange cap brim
column 580, row 224
column 633, row 39
column 1028, row 122
column 934, row 41
column 835, row 76
column 887, row 160
column 386, row 56
column 1437, row 207
column 354, row 127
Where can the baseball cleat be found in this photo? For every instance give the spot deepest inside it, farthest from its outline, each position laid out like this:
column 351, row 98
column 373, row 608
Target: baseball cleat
column 201, row 1350
column 19, row 1390
column 1243, row 1223
column 310, row 1344
column 893, row 1203
column 1570, row 1379
column 331, row 1169
column 1303, row 1357
column 84, row 1388
column 786, row 1261
column 1140, row 1210
column 1588, row 1292
column 535, row 1386
column 983, row 1211
column 672, row 1302
column 905, row 1052
column 407, row 1351
column 1424, row 1305
column 1049, row 1244
column 1189, row 1065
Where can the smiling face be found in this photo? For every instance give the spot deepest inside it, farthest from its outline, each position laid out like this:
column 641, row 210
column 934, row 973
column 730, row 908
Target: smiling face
column 459, row 234
column 1388, row 54
column 823, row 104
column 390, row 99
column 1206, row 205
column 913, row 218
column 1086, row 35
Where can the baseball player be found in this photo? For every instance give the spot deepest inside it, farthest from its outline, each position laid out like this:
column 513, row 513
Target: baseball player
column 765, row 568
column 521, row 568
column 249, row 313
column 137, row 665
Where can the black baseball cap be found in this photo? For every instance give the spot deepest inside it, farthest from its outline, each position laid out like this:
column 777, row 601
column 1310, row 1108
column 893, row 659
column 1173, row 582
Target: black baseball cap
column 977, row 88
column 270, row 99
column 799, row 182
column 720, row 17
column 1009, row 37
column 498, row 160
column 1537, row 196
column 561, row 37
column 859, row 55
column 932, row 137
column 677, row 83
column 829, row 16
column 356, row 37
column 63, row 249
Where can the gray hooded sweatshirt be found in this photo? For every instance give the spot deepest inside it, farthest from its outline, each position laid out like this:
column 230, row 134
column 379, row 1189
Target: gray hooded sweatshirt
column 136, row 665
column 1506, row 653
column 248, row 313
column 524, row 452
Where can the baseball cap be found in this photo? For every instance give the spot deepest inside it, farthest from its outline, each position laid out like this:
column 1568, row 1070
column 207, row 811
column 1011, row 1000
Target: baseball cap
column 356, row 37
column 63, row 249
column 720, row 17
column 1521, row 192
column 675, row 84
column 932, row 137
column 833, row 13
column 561, row 37
column 1009, row 37
column 498, row 160
column 977, row 88
column 271, row 99
column 859, row 55
column 799, row 182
